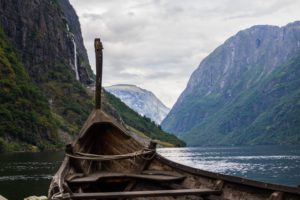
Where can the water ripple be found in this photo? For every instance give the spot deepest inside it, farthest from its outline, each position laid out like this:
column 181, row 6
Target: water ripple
column 26, row 177
column 264, row 163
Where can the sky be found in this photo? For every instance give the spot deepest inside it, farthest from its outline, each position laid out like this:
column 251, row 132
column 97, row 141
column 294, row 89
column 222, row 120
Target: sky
column 157, row 44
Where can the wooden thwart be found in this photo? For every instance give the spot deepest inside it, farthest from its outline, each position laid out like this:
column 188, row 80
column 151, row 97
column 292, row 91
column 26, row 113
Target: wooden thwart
column 109, row 175
column 131, row 194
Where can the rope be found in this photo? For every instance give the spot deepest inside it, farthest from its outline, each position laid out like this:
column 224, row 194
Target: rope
column 87, row 156
column 149, row 158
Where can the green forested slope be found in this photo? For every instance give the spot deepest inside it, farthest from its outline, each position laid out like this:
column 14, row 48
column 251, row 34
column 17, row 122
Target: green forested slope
column 268, row 113
column 143, row 124
column 25, row 116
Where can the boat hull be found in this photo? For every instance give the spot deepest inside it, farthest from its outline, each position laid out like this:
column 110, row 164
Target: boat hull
column 106, row 161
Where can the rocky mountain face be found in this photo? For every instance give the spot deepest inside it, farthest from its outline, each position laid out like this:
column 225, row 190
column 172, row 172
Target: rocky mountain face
column 140, row 100
column 245, row 92
column 43, row 32
column 44, row 37
column 85, row 73
column 44, row 74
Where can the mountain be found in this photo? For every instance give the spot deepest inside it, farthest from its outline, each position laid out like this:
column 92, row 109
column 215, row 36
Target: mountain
column 142, row 101
column 44, row 78
column 40, row 42
column 245, row 92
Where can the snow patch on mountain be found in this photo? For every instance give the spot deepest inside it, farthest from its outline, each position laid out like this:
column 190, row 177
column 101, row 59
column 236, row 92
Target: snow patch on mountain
column 140, row 100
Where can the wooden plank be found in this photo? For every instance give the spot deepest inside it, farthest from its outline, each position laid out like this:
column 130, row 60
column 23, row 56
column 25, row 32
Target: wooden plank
column 132, row 194
column 108, row 175
column 157, row 172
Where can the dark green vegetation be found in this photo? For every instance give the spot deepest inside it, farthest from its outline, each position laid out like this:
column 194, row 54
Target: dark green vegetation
column 25, row 116
column 143, row 124
column 246, row 92
column 69, row 98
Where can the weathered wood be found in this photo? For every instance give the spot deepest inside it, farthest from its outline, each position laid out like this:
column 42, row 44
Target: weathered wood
column 132, row 194
column 144, row 166
column 95, row 157
column 214, row 197
column 109, row 175
column 99, row 55
column 166, row 173
column 219, row 185
column 75, row 163
column 98, row 140
column 172, row 186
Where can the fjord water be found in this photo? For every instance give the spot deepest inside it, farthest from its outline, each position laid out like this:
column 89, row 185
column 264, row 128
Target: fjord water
column 25, row 174
column 273, row 164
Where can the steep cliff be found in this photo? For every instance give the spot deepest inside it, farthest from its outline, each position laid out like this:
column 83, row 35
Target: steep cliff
column 43, row 32
column 85, row 72
column 245, row 92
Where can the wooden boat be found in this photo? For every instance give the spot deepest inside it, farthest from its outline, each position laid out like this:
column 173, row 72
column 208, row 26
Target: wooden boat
column 107, row 163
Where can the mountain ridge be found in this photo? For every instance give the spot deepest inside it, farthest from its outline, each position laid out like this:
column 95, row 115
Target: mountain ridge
column 141, row 100
column 242, row 62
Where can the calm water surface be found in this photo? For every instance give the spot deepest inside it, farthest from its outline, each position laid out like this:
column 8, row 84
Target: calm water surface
column 25, row 174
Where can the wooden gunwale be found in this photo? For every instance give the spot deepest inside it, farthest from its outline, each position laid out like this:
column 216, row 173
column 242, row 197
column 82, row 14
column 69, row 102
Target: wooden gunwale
column 95, row 118
column 227, row 178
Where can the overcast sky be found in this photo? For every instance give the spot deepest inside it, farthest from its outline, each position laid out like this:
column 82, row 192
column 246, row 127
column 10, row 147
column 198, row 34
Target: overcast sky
column 157, row 44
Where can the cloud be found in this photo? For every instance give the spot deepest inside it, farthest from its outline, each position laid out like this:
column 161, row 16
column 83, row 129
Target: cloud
column 157, row 44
